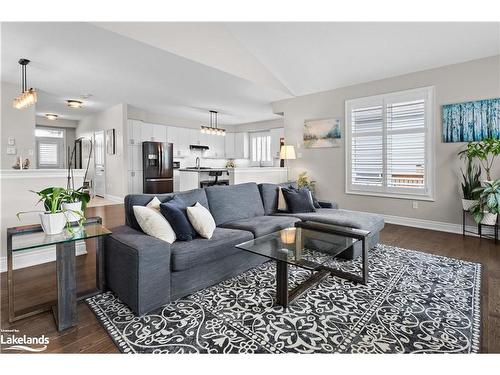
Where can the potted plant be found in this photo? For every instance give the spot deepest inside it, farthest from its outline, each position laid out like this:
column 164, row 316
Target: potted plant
column 74, row 203
column 52, row 219
column 470, row 184
column 486, row 210
column 303, row 181
column 485, row 151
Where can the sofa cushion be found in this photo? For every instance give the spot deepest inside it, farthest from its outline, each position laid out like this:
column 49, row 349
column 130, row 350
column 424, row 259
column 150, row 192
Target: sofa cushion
column 190, row 197
column 262, row 225
column 186, row 255
column 269, row 195
column 235, row 202
column 298, row 200
column 346, row 218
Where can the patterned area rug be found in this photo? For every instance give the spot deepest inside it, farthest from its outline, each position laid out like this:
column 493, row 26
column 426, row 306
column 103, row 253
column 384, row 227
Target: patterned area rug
column 414, row 303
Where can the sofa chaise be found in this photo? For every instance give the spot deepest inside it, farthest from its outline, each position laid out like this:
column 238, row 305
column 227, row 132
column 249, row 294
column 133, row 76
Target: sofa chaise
column 146, row 273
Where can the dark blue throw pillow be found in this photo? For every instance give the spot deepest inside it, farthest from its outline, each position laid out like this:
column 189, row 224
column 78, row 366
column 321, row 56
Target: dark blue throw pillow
column 298, row 200
column 175, row 212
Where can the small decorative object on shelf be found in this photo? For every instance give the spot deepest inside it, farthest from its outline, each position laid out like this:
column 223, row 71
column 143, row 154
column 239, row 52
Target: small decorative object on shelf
column 230, row 164
column 22, row 165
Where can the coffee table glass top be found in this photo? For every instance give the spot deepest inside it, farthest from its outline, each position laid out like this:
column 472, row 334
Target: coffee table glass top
column 299, row 247
column 24, row 241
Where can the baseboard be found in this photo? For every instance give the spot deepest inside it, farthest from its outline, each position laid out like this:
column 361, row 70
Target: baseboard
column 38, row 256
column 113, row 198
column 428, row 224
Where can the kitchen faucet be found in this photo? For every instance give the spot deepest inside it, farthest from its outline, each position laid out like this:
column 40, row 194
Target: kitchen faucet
column 198, row 162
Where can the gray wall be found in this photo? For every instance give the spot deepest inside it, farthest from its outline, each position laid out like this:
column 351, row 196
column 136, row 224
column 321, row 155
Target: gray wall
column 16, row 123
column 479, row 79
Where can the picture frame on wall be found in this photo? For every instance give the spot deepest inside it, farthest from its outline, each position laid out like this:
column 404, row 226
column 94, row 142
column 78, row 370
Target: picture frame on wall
column 322, row 133
column 471, row 121
column 110, row 142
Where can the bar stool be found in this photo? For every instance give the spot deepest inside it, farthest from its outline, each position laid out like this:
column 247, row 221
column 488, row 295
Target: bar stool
column 215, row 181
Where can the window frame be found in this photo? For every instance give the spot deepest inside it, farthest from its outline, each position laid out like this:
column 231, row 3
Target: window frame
column 252, row 136
column 426, row 93
column 59, row 141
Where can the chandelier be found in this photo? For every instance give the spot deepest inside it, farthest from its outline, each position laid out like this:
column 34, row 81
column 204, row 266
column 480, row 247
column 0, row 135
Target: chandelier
column 213, row 128
column 27, row 96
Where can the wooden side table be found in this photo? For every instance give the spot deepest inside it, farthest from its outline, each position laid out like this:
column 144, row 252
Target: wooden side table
column 25, row 238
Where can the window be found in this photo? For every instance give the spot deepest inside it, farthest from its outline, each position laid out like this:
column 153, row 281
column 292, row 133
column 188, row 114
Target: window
column 260, row 149
column 50, row 147
column 389, row 149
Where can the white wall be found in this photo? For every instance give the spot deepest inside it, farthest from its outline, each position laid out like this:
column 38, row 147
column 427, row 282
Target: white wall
column 115, row 165
column 258, row 126
column 16, row 123
column 479, row 79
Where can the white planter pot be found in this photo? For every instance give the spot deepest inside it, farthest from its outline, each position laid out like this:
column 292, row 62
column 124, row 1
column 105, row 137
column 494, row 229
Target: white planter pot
column 53, row 223
column 69, row 210
column 489, row 218
column 467, row 204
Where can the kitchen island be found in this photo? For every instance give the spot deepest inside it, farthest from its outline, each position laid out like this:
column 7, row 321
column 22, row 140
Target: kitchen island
column 190, row 178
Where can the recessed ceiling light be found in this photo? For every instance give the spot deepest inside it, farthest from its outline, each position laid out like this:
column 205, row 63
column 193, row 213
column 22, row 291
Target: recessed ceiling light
column 74, row 103
column 51, row 116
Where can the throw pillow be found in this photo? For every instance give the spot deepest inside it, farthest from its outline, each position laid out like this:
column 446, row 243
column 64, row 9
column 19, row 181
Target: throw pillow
column 281, row 201
column 298, row 200
column 154, row 204
column 175, row 212
column 202, row 220
column 154, row 224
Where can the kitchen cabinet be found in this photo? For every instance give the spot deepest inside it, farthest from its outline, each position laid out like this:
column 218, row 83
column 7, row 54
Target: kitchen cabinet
column 135, row 157
column 241, row 145
column 159, row 133
column 183, row 141
column 134, row 132
column 229, row 146
column 194, row 136
column 276, row 135
column 146, row 132
column 135, row 182
column 216, row 147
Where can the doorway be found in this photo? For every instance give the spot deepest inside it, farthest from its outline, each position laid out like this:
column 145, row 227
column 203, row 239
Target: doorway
column 99, row 165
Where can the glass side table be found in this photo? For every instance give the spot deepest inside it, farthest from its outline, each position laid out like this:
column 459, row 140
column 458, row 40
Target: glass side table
column 28, row 237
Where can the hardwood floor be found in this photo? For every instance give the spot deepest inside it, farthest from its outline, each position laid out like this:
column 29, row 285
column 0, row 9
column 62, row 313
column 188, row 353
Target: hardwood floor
column 36, row 285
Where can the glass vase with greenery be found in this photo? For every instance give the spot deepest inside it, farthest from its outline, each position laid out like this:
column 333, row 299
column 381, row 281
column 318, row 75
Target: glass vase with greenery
column 484, row 151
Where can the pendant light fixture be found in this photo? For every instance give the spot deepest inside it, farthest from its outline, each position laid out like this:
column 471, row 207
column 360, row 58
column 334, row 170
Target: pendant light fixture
column 213, row 129
column 27, row 97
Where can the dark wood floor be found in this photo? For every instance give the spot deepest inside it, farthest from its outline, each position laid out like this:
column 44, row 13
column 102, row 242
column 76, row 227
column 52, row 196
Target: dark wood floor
column 37, row 285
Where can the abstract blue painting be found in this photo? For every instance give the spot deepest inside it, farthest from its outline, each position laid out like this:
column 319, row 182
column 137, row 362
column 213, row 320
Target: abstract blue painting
column 471, row 121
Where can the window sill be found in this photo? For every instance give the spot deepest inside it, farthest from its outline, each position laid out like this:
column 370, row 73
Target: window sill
column 428, row 198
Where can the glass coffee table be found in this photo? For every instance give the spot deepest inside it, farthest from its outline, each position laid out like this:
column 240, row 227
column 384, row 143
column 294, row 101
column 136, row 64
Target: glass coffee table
column 311, row 246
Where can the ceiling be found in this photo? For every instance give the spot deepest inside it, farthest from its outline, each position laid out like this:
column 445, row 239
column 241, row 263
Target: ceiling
column 185, row 69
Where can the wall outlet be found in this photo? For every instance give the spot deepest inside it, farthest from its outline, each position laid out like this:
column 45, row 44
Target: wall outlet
column 30, row 152
column 11, row 141
column 414, row 204
column 11, row 151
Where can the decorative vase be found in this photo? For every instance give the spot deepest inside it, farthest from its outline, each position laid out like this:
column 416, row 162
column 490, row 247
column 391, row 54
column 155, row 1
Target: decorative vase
column 53, row 223
column 71, row 209
column 489, row 218
column 467, row 204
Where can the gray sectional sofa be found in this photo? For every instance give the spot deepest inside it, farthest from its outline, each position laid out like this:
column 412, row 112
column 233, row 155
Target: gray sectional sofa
column 145, row 272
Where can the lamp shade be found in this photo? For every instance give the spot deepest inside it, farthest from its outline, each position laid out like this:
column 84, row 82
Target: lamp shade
column 287, row 152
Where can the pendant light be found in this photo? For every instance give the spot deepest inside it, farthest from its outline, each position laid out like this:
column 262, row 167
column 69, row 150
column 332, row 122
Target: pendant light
column 213, row 129
column 27, row 97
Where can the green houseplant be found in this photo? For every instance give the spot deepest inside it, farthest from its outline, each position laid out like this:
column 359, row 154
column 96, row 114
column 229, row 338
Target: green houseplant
column 75, row 201
column 303, row 181
column 470, row 182
column 484, row 151
column 52, row 218
column 486, row 210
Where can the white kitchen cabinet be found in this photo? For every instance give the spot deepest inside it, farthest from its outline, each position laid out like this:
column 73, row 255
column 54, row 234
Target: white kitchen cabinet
column 183, row 141
column 146, row 132
column 135, row 182
column 135, row 157
column 134, row 132
column 177, row 180
column 219, row 147
column 276, row 135
column 241, row 146
column 229, row 145
column 159, row 133
column 194, row 136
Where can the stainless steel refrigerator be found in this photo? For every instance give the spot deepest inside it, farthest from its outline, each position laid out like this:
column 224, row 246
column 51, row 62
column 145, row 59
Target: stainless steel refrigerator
column 157, row 167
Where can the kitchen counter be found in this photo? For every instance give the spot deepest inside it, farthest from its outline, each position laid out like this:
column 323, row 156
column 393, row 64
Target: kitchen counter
column 190, row 178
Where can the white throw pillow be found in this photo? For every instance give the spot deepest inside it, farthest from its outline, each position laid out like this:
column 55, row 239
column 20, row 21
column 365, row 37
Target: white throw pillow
column 154, row 204
column 202, row 220
column 281, row 201
column 153, row 223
